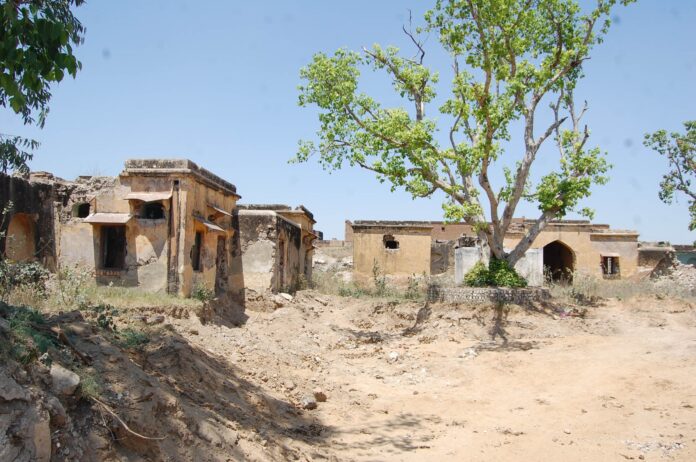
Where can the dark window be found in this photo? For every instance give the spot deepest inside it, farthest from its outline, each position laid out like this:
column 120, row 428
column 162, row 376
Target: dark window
column 196, row 252
column 390, row 242
column 113, row 247
column 152, row 211
column 81, row 210
column 610, row 266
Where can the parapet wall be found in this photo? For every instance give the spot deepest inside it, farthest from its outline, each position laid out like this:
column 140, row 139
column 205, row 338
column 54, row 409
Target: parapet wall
column 477, row 295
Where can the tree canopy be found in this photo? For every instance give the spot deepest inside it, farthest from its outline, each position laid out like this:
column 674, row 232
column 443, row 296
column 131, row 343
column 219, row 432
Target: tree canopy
column 680, row 151
column 36, row 50
column 508, row 58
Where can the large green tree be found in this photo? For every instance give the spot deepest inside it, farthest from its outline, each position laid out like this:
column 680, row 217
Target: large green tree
column 36, row 50
column 510, row 59
column 680, row 151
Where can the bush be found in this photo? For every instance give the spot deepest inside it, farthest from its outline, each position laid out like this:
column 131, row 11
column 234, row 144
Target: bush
column 130, row 338
column 14, row 275
column 498, row 274
column 73, row 283
column 202, row 293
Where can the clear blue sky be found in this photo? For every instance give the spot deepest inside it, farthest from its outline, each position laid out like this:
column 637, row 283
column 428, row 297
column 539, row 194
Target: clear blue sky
column 216, row 82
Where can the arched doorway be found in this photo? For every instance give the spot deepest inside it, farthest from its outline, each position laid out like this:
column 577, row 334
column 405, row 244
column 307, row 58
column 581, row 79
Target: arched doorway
column 559, row 261
column 20, row 244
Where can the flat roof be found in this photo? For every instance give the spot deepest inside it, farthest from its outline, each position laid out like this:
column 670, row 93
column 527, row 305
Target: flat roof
column 184, row 166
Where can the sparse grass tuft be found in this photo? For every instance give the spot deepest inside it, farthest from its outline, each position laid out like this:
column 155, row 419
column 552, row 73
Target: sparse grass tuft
column 130, row 338
column 90, row 384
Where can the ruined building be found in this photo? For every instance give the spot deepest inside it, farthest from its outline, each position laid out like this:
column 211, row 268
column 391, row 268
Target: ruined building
column 404, row 248
column 161, row 225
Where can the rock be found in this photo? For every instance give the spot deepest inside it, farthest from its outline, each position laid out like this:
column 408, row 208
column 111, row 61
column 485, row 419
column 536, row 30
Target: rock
column 393, row 357
column 287, row 297
column 319, row 261
column 289, row 385
column 56, row 411
column 469, row 353
column 11, row 390
column 566, row 431
column 64, row 381
column 319, row 395
column 278, row 301
column 42, row 439
column 308, row 402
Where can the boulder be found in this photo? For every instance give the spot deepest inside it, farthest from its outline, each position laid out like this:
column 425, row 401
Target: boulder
column 64, row 381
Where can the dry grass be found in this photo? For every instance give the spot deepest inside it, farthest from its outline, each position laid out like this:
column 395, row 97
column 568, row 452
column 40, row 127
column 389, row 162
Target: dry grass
column 587, row 289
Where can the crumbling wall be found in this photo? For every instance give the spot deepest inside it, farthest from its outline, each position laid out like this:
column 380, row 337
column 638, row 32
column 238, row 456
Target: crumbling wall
column 291, row 233
column 35, row 202
column 253, row 261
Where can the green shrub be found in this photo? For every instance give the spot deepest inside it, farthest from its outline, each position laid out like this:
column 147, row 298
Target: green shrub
column 73, row 284
column 202, row 293
column 15, row 275
column 28, row 338
column 132, row 338
column 478, row 276
column 498, row 274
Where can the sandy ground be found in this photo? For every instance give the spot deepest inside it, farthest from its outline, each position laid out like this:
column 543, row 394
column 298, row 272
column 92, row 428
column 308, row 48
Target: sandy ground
column 408, row 382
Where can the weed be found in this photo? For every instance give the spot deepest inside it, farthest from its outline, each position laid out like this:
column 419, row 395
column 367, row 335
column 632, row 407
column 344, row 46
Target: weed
column 498, row 274
column 105, row 316
column 202, row 292
column 90, row 384
column 73, row 283
column 379, row 279
column 130, row 338
column 28, row 339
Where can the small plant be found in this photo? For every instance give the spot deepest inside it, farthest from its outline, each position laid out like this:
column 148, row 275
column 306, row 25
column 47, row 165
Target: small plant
column 73, row 282
column 202, row 292
column 413, row 290
column 20, row 275
column 130, row 338
column 105, row 316
column 29, row 338
column 379, row 279
column 90, row 385
column 499, row 273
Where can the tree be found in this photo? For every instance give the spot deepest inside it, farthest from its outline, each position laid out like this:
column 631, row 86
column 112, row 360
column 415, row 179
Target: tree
column 680, row 151
column 508, row 56
column 36, row 50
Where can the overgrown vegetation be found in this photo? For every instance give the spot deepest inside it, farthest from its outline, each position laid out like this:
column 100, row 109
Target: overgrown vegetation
column 28, row 336
column 202, row 293
column 330, row 282
column 130, row 338
column 585, row 289
column 22, row 276
column 498, row 273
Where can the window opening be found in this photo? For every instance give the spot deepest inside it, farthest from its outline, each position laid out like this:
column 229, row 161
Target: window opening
column 390, row 243
column 113, row 247
column 610, row 266
column 196, row 252
column 152, row 211
column 81, row 210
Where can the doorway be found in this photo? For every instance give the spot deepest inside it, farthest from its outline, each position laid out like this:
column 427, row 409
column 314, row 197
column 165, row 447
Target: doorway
column 559, row 262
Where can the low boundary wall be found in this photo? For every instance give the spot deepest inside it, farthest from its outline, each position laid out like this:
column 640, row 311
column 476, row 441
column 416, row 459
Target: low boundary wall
column 476, row 295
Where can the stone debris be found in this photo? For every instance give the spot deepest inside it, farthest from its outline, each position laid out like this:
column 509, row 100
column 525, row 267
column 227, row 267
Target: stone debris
column 308, row 402
column 319, row 395
column 64, row 381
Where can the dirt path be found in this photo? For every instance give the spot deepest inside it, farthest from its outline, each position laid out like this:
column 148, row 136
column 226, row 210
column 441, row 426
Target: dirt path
column 620, row 384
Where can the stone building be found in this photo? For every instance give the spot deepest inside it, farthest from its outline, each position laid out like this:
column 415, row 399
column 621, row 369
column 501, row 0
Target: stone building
column 161, row 225
column 562, row 248
column 274, row 250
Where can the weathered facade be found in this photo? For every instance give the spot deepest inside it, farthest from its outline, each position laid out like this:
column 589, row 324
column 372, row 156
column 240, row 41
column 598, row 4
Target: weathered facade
column 561, row 249
column 161, row 225
column 399, row 250
column 274, row 250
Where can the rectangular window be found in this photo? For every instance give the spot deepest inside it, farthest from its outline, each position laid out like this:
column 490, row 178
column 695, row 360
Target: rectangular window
column 196, row 252
column 610, row 266
column 113, row 247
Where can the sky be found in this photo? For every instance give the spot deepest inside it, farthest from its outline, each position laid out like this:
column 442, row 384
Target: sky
column 216, row 82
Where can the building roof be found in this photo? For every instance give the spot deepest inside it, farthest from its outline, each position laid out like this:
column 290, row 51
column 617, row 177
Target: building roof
column 181, row 166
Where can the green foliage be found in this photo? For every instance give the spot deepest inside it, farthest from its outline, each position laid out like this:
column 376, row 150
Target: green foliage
column 478, row 276
column 26, row 275
column 130, row 338
column 379, row 279
column 680, row 151
column 28, row 339
column 508, row 56
column 203, row 293
column 499, row 273
column 90, row 384
column 36, row 50
column 105, row 316
column 73, row 284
